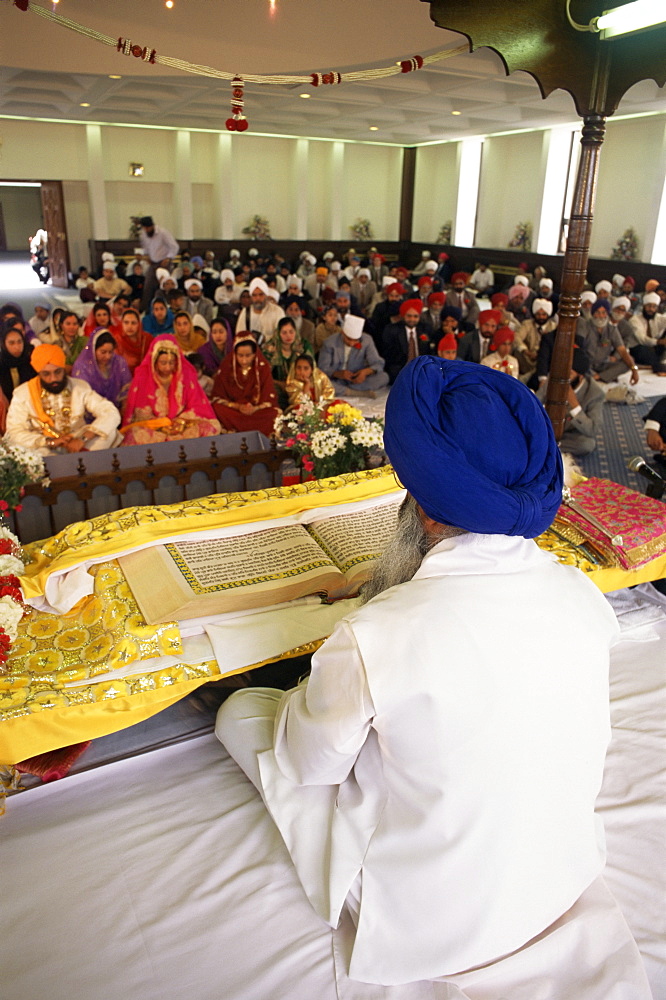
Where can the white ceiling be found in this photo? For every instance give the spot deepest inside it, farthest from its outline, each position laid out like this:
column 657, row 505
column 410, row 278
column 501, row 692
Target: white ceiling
column 48, row 71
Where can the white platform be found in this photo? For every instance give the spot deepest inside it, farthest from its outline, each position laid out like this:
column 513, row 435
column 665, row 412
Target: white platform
column 162, row 877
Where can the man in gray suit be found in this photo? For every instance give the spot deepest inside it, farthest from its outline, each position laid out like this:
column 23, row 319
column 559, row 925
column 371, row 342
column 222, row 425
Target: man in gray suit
column 585, row 401
column 351, row 361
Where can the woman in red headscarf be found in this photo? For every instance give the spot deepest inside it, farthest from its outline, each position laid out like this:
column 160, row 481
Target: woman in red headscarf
column 165, row 401
column 131, row 339
column 244, row 396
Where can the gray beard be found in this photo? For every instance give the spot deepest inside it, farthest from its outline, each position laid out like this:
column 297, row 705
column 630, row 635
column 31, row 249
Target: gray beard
column 404, row 553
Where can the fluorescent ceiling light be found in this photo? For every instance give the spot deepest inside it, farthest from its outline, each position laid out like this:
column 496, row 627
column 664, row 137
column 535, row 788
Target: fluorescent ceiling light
column 632, row 17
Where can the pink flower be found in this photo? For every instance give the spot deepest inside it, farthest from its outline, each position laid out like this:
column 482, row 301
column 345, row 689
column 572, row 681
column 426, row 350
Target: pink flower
column 19, row 506
column 290, row 442
column 301, row 437
column 4, row 505
column 308, row 464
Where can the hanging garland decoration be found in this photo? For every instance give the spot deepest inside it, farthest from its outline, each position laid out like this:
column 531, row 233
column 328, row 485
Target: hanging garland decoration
column 314, row 79
column 125, row 46
column 238, row 122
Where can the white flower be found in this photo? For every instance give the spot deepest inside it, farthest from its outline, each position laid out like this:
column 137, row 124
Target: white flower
column 327, row 442
column 10, row 615
column 32, row 465
column 368, row 434
column 10, row 566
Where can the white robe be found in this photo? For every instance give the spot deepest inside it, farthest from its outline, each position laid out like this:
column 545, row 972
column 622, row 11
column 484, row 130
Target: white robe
column 23, row 430
column 451, row 765
column 263, row 323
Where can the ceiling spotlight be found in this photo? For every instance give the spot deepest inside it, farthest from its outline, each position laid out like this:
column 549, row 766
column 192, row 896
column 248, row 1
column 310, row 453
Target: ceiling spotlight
column 374, row 128
column 169, row 4
column 305, row 96
column 84, row 104
column 456, row 112
column 115, row 76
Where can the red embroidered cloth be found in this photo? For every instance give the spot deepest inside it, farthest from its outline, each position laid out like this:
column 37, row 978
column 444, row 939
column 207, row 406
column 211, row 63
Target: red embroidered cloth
column 634, row 526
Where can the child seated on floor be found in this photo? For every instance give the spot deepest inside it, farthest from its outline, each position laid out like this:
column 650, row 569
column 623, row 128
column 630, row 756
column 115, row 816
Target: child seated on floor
column 448, row 347
column 306, row 380
column 500, row 357
column 450, row 319
column 205, row 381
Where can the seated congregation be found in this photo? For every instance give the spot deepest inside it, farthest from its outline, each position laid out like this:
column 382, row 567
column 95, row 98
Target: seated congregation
column 193, row 347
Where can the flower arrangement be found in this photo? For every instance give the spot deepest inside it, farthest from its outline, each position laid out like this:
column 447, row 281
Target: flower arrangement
column 18, row 467
column 362, row 230
column 329, row 439
column 445, row 233
column 259, row 228
column 626, row 247
column 12, row 607
column 135, row 227
column 522, row 238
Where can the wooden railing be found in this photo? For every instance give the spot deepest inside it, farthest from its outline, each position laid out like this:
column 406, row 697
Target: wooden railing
column 84, row 494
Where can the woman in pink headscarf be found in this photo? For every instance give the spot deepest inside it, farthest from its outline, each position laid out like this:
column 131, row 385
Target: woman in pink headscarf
column 165, row 401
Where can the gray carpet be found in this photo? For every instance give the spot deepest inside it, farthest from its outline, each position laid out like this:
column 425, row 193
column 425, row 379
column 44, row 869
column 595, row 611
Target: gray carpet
column 623, row 436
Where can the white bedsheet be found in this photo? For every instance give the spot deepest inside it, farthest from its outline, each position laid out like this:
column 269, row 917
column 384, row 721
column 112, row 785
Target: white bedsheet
column 163, row 878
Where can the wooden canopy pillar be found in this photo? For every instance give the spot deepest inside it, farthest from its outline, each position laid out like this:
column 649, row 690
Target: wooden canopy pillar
column 536, row 36
column 574, row 270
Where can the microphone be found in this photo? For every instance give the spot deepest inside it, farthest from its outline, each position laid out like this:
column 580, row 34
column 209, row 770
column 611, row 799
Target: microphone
column 657, row 483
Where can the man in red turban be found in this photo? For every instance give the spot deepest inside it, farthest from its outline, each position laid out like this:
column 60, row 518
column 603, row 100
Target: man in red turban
column 475, row 345
column 407, row 339
column 462, row 298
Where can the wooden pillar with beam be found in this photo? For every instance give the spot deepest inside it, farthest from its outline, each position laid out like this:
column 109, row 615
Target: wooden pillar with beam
column 538, row 37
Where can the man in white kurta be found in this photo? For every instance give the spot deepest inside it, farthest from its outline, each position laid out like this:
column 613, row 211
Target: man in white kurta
column 262, row 316
column 47, row 414
column 436, row 775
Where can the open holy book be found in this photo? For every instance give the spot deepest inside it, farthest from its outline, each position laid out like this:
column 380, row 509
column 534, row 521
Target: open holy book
column 332, row 556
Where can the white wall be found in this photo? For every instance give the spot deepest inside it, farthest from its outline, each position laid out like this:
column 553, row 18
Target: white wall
column 21, row 213
column 42, row 151
column 435, row 190
column 631, row 178
column 372, row 179
column 511, row 187
column 202, row 208
column 126, row 198
column 345, row 181
column 263, row 169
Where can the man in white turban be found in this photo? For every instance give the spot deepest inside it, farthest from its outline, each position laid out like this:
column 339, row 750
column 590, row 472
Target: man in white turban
column 263, row 315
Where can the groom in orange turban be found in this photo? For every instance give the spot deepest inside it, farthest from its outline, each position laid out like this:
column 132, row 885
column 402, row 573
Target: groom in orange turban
column 48, row 413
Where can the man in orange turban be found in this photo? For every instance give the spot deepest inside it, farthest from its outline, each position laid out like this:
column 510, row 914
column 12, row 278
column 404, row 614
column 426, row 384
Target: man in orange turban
column 48, row 413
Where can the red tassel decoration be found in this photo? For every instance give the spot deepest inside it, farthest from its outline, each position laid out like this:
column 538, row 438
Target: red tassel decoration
column 125, row 46
column 410, row 65
column 320, row 79
column 238, row 122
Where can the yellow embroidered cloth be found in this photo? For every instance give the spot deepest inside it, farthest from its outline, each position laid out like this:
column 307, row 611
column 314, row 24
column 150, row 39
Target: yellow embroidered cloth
column 40, row 710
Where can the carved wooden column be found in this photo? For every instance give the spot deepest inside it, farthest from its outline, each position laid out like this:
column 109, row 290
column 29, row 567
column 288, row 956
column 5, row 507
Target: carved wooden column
column 574, row 268
column 536, row 36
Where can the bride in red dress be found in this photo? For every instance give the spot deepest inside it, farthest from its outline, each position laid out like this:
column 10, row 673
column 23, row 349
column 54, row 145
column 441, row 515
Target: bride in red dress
column 244, row 396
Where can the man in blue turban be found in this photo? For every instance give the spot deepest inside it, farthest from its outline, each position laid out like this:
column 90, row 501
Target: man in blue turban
column 475, row 453
column 435, row 778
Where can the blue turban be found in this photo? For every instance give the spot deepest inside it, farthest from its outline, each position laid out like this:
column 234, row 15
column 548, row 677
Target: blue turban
column 474, row 447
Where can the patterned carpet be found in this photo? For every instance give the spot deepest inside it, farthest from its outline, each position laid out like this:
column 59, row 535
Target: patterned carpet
column 623, row 437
